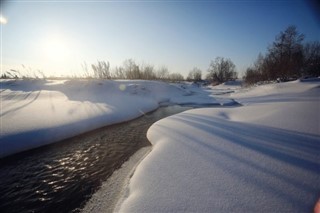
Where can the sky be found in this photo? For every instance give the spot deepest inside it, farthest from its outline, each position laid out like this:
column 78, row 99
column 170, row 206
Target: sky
column 57, row 37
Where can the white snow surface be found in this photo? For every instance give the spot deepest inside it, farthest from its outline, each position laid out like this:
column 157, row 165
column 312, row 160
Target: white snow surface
column 37, row 112
column 262, row 156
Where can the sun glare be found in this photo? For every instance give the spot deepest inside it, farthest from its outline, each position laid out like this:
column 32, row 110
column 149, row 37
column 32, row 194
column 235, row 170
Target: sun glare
column 3, row 20
column 55, row 48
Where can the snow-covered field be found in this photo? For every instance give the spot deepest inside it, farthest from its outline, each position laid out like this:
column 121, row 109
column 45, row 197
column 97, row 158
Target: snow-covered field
column 259, row 157
column 262, row 156
column 38, row 112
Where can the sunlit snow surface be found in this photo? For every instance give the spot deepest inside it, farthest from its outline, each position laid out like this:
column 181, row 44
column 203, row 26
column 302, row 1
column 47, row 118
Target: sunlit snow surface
column 259, row 157
column 38, row 112
column 262, row 156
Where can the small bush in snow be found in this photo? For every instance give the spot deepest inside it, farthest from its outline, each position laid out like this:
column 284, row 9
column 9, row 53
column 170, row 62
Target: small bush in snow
column 101, row 70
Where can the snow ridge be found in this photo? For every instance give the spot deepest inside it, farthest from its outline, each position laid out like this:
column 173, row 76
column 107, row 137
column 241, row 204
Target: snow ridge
column 39, row 112
column 260, row 157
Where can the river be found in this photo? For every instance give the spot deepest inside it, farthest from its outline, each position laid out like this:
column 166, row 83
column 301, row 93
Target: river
column 63, row 176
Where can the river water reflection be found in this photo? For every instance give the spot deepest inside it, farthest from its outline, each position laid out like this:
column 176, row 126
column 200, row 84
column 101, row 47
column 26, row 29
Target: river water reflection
column 61, row 177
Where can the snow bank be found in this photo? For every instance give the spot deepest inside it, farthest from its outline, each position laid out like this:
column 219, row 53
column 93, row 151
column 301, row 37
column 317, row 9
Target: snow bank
column 226, row 88
column 106, row 198
column 39, row 112
column 260, row 157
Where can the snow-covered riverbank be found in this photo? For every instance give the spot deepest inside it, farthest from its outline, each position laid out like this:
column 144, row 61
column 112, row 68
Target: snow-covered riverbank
column 39, row 112
column 260, row 157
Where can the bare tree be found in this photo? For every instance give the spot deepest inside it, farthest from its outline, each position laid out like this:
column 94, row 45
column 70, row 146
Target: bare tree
column 163, row 73
column 311, row 59
column 176, row 77
column 131, row 69
column 221, row 70
column 148, row 72
column 285, row 54
column 287, row 58
column 118, row 73
column 195, row 74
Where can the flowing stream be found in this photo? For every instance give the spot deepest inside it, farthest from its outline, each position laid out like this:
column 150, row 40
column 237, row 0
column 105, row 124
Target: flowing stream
column 61, row 177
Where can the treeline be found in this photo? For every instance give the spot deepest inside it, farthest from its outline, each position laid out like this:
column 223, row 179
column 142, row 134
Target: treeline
column 220, row 70
column 130, row 70
column 102, row 70
column 288, row 58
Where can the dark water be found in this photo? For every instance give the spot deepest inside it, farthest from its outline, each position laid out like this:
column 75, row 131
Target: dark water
column 63, row 176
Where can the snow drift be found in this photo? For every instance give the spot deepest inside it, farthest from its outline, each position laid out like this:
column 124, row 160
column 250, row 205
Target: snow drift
column 38, row 112
column 260, row 157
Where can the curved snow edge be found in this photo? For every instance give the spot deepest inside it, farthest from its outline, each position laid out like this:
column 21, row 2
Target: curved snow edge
column 116, row 189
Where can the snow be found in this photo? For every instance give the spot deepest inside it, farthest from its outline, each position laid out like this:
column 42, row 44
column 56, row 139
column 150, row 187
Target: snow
column 106, row 198
column 262, row 156
column 39, row 112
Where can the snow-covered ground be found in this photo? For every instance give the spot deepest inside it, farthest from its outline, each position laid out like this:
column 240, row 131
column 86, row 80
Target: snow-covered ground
column 38, row 112
column 262, row 156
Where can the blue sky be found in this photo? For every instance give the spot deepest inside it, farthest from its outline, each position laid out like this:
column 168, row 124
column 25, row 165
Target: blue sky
column 58, row 36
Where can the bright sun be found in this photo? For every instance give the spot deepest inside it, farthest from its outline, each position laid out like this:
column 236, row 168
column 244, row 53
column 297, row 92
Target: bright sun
column 55, row 48
column 3, row 20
